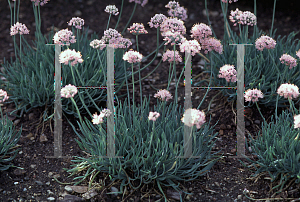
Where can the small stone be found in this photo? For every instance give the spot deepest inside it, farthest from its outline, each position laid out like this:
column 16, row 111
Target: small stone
column 30, row 116
column 190, row 189
column 88, row 195
column 188, row 197
column 57, row 176
column 48, row 183
column 16, row 122
column 257, row 121
column 50, row 192
column 213, row 115
column 51, row 199
column 24, row 189
column 114, row 189
column 19, row 172
column 239, row 197
column 79, row 189
column 222, row 127
column 43, row 138
column 68, row 198
column 32, row 166
column 68, row 189
column 15, row 183
column 39, row 183
column 29, row 135
column 228, row 126
column 50, row 174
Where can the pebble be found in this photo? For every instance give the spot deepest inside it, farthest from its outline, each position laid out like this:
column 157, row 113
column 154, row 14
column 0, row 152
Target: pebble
column 114, row 189
column 48, row 183
column 51, row 199
column 39, row 183
column 15, row 183
column 68, row 189
column 257, row 121
column 32, row 166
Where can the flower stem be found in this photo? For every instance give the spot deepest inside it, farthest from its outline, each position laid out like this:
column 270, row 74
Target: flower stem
column 273, row 18
column 169, row 80
column 120, row 14
column 292, row 106
column 129, row 19
column 174, row 68
column 260, row 112
column 108, row 21
column 137, row 48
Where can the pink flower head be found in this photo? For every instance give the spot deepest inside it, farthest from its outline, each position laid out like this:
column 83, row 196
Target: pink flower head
column 244, row 18
column 164, row 95
column 68, row 91
column 115, row 39
column 41, row 2
column 288, row 60
column 173, row 25
column 179, row 12
column 3, row 95
column 132, row 56
column 288, row 90
column 76, row 22
column 111, row 9
column 193, row 45
column 193, row 117
column 97, row 119
column 230, row 1
column 253, row 95
column 298, row 53
column 64, row 37
column 70, row 56
column 137, row 28
column 156, row 20
column 173, row 38
column 172, row 5
column 201, row 31
column 142, row 2
column 169, row 55
column 211, row 43
column 18, row 28
column 153, row 116
column 265, row 42
column 228, row 72
column 297, row 121
column 95, row 43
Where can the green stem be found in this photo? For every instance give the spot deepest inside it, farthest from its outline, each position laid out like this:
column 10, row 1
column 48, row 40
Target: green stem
column 18, row 10
column 77, row 109
column 260, row 112
column 120, row 14
column 207, row 14
column 174, row 68
column 77, row 33
column 108, row 21
column 137, row 48
column 127, row 85
column 152, row 133
column 129, row 19
column 20, row 48
column 291, row 106
column 133, row 88
column 255, row 26
column 170, row 78
column 240, row 33
column 273, row 18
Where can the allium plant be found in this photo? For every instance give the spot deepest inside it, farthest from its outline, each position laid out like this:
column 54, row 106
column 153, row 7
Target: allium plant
column 169, row 56
column 40, row 2
column 265, row 42
column 228, row 72
column 111, row 9
column 142, row 2
column 76, row 22
column 64, row 37
column 8, row 139
column 288, row 60
column 156, row 20
column 176, row 11
column 230, row 1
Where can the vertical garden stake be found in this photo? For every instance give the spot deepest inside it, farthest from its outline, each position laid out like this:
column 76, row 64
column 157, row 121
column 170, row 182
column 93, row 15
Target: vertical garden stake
column 188, row 144
column 57, row 107
column 240, row 101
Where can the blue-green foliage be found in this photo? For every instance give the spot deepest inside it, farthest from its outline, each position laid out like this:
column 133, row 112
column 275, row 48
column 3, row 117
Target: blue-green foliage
column 30, row 82
column 142, row 164
column 263, row 70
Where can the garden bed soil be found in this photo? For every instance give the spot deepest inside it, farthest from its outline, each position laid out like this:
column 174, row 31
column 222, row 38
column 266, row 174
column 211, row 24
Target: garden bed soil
column 224, row 182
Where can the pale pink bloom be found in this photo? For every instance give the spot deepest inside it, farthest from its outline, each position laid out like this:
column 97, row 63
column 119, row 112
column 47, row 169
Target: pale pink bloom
column 95, row 43
column 193, row 45
column 153, row 116
column 244, row 18
column 297, row 121
column 137, row 28
column 76, row 22
column 230, row 1
column 173, row 25
column 156, row 20
column 64, row 36
column 70, row 56
column 68, row 91
column 3, row 95
column 234, row 16
column 41, row 2
column 211, row 43
column 298, row 53
column 228, row 72
column 288, row 60
column 111, row 9
column 132, row 56
column 169, row 55
column 179, row 12
column 164, row 95
column 288, row 90
column 253, row 95
column 193, row 117
column 172, row 5
column 142, row 2
column 18, row 28
column 173, row 37
column 115, row 39
column 201, row 31
column 97, row 119
column 265, row 42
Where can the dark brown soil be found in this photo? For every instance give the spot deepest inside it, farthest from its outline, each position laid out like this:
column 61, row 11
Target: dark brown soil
column 227, row 178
